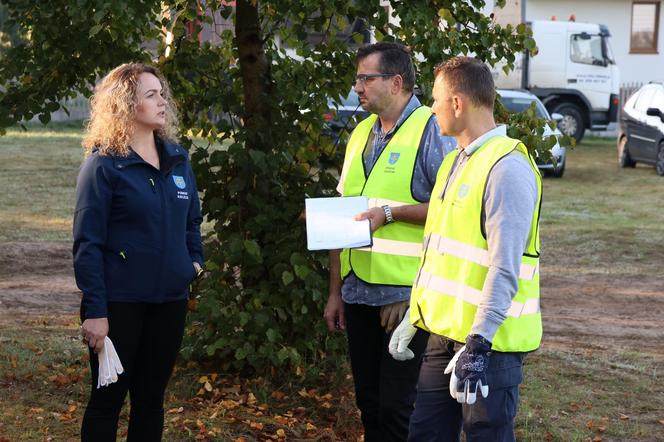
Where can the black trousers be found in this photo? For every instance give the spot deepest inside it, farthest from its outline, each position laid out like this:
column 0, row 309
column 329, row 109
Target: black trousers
column 147, row 338
column 440, row 418
column 384, row 387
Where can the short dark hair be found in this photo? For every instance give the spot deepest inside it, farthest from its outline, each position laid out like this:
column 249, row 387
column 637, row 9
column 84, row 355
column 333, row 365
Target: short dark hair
column 394, row 59
column 471, row 77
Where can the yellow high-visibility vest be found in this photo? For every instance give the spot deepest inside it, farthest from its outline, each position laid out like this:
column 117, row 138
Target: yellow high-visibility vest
column 454, row 264
column 393, row 257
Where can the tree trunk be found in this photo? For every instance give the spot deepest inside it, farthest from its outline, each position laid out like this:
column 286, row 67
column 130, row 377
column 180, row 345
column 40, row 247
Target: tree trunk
column 255, row 71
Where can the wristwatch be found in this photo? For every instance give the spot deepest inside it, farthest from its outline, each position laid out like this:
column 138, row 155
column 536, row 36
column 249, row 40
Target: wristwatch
column 389, row 219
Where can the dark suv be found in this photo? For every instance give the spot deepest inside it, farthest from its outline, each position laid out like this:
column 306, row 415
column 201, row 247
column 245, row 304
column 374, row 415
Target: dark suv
column 641, row 137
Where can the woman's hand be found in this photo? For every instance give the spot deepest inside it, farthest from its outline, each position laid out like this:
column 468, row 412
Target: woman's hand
column 94, row 331
column 198, row 269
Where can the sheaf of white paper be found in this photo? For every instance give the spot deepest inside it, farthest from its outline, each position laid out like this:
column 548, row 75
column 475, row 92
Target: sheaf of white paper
column 330, row 223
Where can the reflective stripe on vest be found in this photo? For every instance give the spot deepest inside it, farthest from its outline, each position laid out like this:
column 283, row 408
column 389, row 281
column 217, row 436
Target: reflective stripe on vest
column 455, row 261
column 394, row 254
column 472, row 253
column 391, row 247
column 470, row 295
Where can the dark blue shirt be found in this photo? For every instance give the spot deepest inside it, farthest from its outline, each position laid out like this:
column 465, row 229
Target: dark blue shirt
column 136, row 229
column 433, row 147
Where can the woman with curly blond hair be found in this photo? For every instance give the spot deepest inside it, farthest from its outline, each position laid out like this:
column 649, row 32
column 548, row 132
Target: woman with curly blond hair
column 137, row 246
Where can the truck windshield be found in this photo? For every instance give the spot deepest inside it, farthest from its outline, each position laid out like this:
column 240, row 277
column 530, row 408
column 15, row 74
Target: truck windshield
column 587, row 49
column 607, row 51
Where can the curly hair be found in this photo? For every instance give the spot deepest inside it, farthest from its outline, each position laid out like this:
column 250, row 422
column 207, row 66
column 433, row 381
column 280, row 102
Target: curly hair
column 113, row 110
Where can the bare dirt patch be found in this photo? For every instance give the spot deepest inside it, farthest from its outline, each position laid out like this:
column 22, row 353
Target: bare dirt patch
column 602, row 311
column 37, row 278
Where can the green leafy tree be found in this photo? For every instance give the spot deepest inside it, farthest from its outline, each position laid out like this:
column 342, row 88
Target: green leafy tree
column 252, row 100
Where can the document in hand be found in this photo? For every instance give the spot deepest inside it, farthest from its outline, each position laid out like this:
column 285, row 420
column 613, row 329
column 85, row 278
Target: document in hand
column 330, row 223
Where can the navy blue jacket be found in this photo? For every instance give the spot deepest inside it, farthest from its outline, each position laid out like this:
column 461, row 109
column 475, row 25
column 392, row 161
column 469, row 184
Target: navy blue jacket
column 136, row 229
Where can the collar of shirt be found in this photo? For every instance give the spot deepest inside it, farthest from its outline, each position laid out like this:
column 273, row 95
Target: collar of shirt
column 413, row 104
column 498, row 131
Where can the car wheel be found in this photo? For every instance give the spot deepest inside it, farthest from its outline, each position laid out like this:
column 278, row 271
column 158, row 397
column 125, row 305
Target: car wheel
column 659, row 164
column 624, row 160
column 559, row 170
column 572, row 122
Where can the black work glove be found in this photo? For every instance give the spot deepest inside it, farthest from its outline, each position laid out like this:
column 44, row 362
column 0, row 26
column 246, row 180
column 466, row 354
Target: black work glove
column 468, row 370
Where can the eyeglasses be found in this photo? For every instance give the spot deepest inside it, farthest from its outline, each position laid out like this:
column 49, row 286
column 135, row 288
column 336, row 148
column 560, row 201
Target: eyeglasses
column 366, row 77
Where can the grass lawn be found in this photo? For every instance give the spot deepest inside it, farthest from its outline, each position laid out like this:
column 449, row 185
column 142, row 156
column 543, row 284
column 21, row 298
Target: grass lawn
column 597, row 220
column 38, row 178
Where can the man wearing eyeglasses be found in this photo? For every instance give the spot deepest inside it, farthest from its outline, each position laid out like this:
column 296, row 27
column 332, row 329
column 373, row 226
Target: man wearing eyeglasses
column 392, row 157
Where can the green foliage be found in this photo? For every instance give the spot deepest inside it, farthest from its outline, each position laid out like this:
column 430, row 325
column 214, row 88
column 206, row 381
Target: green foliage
column 529, row 128
column 256, row 98
column 66, row 44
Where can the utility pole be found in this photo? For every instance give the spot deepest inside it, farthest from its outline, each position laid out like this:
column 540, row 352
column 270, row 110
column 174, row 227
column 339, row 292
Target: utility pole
column 523, row 11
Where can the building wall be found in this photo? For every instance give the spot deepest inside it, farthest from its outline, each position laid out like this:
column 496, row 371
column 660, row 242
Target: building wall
column 617, row 15
column 509, row 14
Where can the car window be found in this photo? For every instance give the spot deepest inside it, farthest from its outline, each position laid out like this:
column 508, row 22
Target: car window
column 352, row 99
column 632, row 100
column 521, row 104
column 644, row 100
column 658, row 99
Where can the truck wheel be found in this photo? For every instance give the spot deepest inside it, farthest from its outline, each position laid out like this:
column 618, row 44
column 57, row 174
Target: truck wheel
column 572, row 122
column 624, row 160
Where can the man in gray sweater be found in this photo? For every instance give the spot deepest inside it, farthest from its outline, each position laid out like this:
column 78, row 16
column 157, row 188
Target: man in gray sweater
column 478, row 281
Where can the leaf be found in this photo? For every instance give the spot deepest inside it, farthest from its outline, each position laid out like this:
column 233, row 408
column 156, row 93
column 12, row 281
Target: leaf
column 446, row 15
column 45, row 118
column 302, row 271
column 272, row 335
column 253, row 249
column 287, row 277
column 95, row 30
column 256, row 425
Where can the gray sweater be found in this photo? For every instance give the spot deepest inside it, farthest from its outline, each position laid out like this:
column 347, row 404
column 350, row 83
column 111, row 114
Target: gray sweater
column 509, row 204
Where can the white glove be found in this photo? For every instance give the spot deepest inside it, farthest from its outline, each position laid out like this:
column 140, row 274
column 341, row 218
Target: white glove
column 400, row 339
column 109, row 364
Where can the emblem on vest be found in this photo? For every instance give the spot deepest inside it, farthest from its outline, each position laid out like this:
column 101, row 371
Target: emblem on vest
column 392, row 160
column 463, row 191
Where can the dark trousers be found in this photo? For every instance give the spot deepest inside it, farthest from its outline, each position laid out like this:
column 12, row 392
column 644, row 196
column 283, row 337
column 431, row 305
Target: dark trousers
column 384, row 387
column 439, row 418
column 147, row 338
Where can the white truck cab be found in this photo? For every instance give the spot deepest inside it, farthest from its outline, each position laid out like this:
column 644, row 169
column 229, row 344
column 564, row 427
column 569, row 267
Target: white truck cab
column 574, row 74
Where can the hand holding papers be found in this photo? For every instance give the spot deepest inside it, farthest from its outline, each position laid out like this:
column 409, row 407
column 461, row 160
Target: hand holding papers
column 331, row 224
